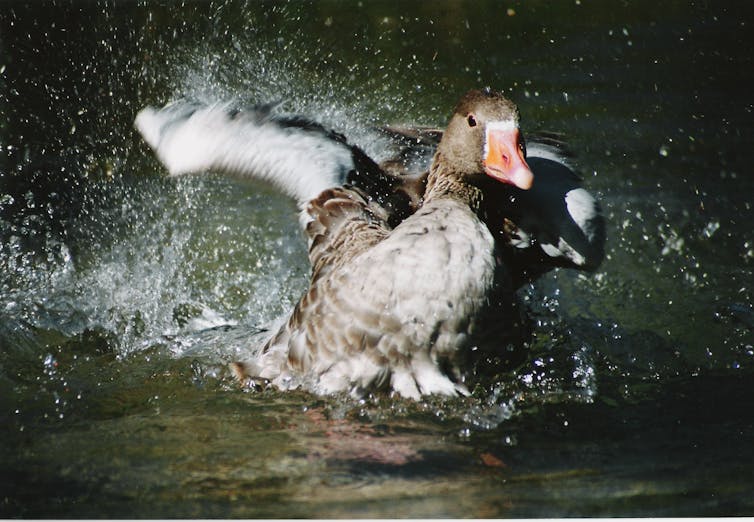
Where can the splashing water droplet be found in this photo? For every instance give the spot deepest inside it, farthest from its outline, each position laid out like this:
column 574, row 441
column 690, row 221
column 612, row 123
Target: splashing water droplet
column 711, row 228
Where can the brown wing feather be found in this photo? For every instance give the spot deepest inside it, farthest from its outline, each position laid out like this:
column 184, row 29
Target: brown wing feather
column 343, row 225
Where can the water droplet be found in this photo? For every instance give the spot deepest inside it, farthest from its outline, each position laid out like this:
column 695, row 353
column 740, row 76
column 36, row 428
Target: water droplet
column 711, row 228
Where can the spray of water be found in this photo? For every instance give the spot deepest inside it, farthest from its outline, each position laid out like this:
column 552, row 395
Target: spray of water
column 198, row 265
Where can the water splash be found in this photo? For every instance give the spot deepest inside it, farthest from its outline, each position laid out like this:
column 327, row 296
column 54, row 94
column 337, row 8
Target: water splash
column 151, row 280
column 157, row 263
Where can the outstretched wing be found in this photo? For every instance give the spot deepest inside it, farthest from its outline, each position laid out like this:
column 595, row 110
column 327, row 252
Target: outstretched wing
column 300, row 157
column 297, row 155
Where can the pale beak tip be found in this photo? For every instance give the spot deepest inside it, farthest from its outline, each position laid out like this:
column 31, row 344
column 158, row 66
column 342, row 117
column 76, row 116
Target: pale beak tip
column 522, row 178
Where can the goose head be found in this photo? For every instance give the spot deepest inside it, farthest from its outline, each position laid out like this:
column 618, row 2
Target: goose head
column 483, row 139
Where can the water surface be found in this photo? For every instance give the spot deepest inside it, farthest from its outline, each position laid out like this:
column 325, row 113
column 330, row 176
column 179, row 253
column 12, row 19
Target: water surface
column 122, row 293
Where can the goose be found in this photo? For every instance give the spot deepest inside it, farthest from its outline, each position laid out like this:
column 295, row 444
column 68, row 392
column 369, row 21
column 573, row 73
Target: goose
column 411, row 273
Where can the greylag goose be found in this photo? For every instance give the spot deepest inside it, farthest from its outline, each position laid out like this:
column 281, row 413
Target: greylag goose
column 410, row 274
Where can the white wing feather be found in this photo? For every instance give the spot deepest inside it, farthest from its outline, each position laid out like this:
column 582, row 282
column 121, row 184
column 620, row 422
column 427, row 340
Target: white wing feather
column 301, row 160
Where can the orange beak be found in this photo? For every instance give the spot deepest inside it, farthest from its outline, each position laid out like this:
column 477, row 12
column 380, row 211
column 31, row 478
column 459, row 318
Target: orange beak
column 504, row 159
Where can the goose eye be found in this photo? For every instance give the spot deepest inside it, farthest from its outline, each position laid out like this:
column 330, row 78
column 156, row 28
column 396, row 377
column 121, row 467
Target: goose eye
column 471, row 120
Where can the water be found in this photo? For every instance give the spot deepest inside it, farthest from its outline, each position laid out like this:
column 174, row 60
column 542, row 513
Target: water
column 123, row 293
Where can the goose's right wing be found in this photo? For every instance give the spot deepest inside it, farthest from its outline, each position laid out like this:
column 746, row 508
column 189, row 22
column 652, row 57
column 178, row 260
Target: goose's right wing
column 298, row 156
